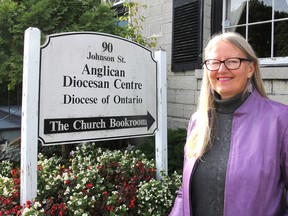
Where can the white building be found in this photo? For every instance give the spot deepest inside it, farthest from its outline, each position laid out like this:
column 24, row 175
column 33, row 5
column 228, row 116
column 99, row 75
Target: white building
column 183, row 27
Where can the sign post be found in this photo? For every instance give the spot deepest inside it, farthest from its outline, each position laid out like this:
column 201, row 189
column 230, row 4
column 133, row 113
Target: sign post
column 29, row 127
column 161, row 150
column 90, row 87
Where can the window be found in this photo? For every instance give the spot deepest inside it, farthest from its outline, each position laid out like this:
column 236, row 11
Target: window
column 187, row 35
column 264, row 23
column 117, row 5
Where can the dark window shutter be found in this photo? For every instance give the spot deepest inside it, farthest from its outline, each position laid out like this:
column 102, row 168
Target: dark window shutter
column 187, row 35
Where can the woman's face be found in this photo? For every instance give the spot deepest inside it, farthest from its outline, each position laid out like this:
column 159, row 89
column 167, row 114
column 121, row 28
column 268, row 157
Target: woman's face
column 228, row 83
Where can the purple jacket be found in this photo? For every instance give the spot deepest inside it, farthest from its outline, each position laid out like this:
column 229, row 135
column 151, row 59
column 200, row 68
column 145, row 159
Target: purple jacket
column 257, row 170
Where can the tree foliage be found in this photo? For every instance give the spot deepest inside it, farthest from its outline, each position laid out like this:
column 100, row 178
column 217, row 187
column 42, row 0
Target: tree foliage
column 52, row 16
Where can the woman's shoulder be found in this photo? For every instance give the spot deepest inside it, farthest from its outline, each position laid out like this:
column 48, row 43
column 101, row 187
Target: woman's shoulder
column 270, row 105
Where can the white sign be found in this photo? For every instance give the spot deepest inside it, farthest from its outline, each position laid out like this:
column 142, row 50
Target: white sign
column 95, row 87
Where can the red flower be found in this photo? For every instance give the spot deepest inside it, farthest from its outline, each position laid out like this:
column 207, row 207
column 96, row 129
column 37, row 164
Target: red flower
column 89, row 185
column 110, row 207
column 132, row 203
column 16, row 181
column 139, row 164
column 62, row 206
column 14, row 172
column 16, row 194
column 7, row 201
column 67, row 182
column 28, row 204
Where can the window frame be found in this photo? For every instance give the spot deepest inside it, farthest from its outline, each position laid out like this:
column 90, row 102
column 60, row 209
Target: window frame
column 113, row 2
column 267, row 61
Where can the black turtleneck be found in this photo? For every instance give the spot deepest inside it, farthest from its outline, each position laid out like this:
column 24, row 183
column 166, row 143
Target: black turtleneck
column 207, row 183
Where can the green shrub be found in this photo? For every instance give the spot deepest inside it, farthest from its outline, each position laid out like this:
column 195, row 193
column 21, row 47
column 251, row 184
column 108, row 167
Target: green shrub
column 93, row 181
column 176, row 141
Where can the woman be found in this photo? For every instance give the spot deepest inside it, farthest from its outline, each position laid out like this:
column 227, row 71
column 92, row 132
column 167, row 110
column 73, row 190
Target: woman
column 236, row 154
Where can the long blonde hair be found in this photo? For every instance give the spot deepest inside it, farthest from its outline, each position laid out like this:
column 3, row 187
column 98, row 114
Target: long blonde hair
column 200, row 138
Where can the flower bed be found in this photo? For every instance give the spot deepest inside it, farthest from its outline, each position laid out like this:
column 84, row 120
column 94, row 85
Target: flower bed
column 93, row 182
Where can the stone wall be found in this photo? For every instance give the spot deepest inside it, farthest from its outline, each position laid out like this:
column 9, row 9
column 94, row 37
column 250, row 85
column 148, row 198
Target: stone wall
column 276, row 83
